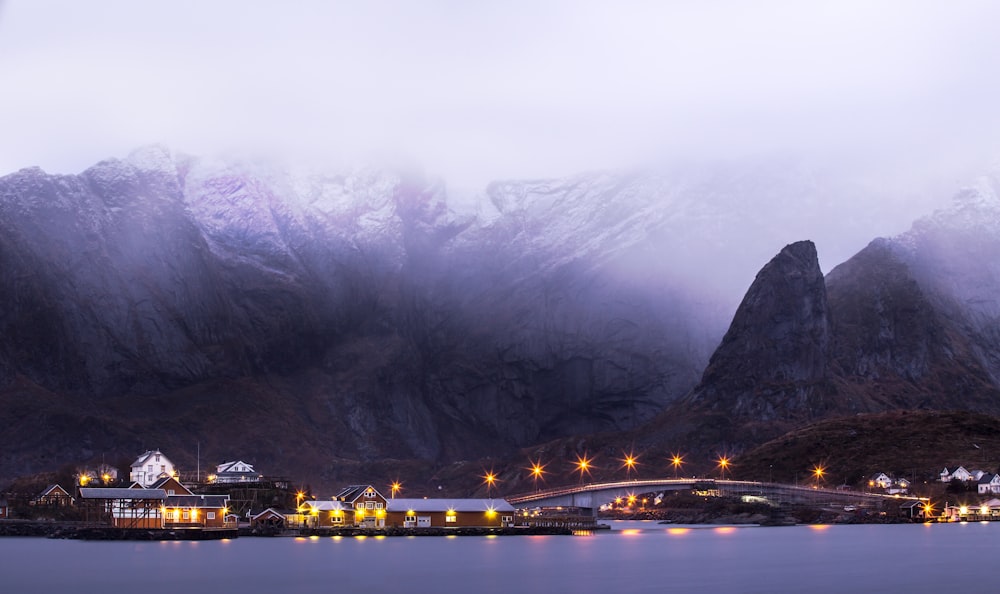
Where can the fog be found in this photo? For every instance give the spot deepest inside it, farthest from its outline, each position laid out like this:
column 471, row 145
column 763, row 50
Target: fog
column 898, row 96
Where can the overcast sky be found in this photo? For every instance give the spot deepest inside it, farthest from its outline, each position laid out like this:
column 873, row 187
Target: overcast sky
column 480, row 90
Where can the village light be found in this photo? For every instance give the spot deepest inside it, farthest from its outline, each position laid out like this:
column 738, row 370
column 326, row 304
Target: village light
column 818, row 471
column 537, row 470
column 395, row 487
column 489, row 479
column 676, row 461
column 723, row 464
column 583, row 464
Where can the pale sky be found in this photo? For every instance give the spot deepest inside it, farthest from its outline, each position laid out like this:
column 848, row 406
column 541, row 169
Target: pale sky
column 474, row 91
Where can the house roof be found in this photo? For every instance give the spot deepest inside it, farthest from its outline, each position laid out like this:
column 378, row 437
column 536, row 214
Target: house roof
column 231, row 467
column 163, row 482
column 327, row 505
column 201, row 501
column 986, row 478
column 52, row 489
column 441, row 505
column 121, row 493
column 270, row 510
column 352, row 492
column 146, row 456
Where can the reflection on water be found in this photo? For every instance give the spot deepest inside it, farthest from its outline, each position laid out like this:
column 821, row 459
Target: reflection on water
column 632, row 557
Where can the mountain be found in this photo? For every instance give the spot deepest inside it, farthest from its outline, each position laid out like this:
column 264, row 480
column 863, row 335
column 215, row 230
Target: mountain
column 911, row 322
column 306, row 320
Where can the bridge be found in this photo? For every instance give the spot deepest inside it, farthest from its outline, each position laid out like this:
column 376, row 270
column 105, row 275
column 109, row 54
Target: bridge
column 593, row 496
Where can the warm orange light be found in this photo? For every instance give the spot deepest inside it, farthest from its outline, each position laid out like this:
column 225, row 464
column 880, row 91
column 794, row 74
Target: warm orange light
column 618, row 500
column 537, row 469
column 491, row 512
column 818, row 471
column 629, row 462
column 583, row 464
column 84, row 479
column 395, row 487
column 963, row 511
column 676, row 461
column 631, row 499
column 723, row 464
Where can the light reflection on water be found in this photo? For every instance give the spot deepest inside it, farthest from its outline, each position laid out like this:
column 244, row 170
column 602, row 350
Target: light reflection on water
column 632, row 557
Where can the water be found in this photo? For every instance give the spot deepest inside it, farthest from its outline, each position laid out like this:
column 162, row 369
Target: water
column 634, row 557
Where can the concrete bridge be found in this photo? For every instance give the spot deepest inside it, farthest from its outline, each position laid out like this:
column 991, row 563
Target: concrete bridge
column 593, row 496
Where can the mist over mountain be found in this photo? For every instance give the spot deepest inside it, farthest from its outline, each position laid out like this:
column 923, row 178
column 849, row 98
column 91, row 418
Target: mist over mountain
column 307, row 320
column 910, row 322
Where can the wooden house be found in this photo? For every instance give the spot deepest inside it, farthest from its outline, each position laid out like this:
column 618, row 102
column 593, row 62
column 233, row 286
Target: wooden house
column 123, row 507
column 196, row 511
column 53, row 496
column 329, row 514
column 368, row 504
column 959, row 473
column 269, row 518
column 151, row 466
column 171, row 485
column 454, row 513
column 989, row 483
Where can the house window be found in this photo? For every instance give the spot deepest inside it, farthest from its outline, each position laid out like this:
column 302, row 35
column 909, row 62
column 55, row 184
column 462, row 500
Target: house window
column 507, row 519
column 451, row 519
column 185, row 515
column 163, row 467
column 157, row 457
column 337, row 519
column 149, row 469
column 210, row 515
column 368, row 505
column 170, row 492
column 378, row 505
column 411, row 519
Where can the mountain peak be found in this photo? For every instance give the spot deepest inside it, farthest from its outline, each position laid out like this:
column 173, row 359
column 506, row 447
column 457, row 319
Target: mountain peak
column 775, row 349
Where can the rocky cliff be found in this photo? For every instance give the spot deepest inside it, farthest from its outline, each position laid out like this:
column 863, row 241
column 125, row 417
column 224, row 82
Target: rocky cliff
column 300, row 319
column 908, row 323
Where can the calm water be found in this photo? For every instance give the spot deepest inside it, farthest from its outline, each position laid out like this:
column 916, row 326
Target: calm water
column 634, row 557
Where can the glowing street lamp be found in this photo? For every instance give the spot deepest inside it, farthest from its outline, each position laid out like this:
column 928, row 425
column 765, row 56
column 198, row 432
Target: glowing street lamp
column 818, row 471
column 723, row 464
column 676, row 461
column 490, row 479
column 629, row 462
column 537, row 470
column 583, row 465
column 395, row 487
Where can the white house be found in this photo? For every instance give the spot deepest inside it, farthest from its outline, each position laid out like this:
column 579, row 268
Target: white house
column 959, row 473
column 989, row 483
column 880, row 480
column 150, row 467
column 235, row 472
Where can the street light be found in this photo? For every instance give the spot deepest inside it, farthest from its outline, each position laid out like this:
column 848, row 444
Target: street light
column 723, row 464
column 583, row 464
column 537, row 470
column 490, row 479
column 395, row 487
column 818, row 471
column 629, row 462
column 676, row 461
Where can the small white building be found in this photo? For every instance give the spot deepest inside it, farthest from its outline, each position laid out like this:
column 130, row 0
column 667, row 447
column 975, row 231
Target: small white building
column 235, row 472
column 150, row 467
column 989, row 483
column 959, row 473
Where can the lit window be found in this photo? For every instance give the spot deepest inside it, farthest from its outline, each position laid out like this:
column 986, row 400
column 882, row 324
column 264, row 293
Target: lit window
column 369, row 505
column 378, row 505
column 450, row 519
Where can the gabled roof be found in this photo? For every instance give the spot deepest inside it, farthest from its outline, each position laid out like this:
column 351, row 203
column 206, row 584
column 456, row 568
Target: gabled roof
column 443, row 505
column 353, row 492
column 146, row 456
column 54, row 490
column 879, row 475
column 121, row 493
column 199, row 501
column 272, row 511
column 327, row 505
column 235, row 467
column 986, row 479
column 166, row 481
